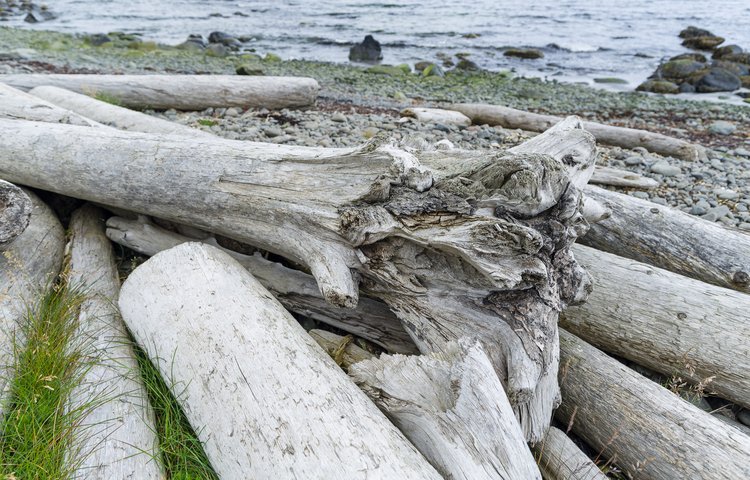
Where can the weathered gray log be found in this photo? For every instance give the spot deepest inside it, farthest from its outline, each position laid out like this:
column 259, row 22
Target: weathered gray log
column 115, row 436
column 19, row 105
column 15, row 213
column 453, row 409
column 650, row 432
column 561, row 459
column 28, row 265
column 182, row 92
column 296, row 290
column 666, row 322
column 429, row 247
column 611, row 135
column 621, row 178
column 264, row 399
column 670, row 239
column 113, row 115
column 437, row 115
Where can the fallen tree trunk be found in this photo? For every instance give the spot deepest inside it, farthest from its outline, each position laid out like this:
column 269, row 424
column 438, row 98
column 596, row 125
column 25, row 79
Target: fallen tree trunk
column 666, row 322
column 296, row 290
column 112, row 115
column 610, row 135
column 115, row 436
column 672, row 240
column 18, row 105
column 264, row 399
column 181, row 92
column 620, row 178
column 429, row 247
column 437, row 115
column 15, row 213
column 646, row 430
column 453, row 409
column 561, row 459
column 27, row 265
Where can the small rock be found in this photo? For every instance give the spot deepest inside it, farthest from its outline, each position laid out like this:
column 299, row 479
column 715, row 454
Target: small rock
column 231, row 112
column 722, row 127
column 641, row 195
column 726, row 194
column 716, row 213
column 367, row 51
column 338, row 117
column 434, row 70
column 249, row 69
column 662, row 167
column 271, row 131
column 37, row 15
column 633, row 160
column 466, row 64
column 726, row 50
column 613, row 80
column 742, row 152
column 692, row 31
column 705, row 42
column 658, row 86
column 98, row 39
column 528, row 53
column 370, row 132
column 217, row 50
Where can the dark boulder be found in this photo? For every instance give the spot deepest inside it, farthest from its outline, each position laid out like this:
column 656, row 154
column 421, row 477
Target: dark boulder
column 715, row 80
column 703, row 43
column 224, row 39
column 691, row 32
column 678, row 69
column 658, row 86
column 466, row 64
column 98, row 39
column 738, row 69
column 686, row 88
column 529, row 53
column 743, row 58
column 193, row 42
column 368, row 51
column 698, row 57
column 37, row 15
column 726, row 50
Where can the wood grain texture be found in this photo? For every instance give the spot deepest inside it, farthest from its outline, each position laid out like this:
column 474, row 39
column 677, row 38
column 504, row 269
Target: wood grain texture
column 15, row 213
column 649, row 432
column 19, row 105
column 670, row 239
column 181, row 92
column 116, row 437
column 621, row 178
column 264, row 398
column 561, row 459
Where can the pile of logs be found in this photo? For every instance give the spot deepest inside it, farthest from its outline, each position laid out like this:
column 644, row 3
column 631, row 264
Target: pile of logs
column 458, row 265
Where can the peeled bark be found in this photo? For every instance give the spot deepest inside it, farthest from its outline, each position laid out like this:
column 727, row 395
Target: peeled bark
column 621, row 178
column 264, row 399
column 28, row 265
column 672, row 240
column 116, row 437
column 453, row 409
column 15, row 213
column 112, row 115
column 422, row 239
column 666, row 322
column 18, row 105
column 561, row 459
column 611, row 135
column 181, row 92
column 647, row 431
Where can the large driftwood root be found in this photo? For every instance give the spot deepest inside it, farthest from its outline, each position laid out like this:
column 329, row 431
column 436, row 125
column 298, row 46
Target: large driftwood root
column 478, row 251
column 15, row 213
column 265, row 400
column 116, row 436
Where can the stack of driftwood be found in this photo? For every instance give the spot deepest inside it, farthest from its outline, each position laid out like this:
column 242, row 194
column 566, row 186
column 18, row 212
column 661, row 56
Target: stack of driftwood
column 458, row 264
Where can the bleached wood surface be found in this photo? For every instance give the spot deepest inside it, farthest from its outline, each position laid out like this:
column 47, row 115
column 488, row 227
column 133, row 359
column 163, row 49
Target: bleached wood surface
column 113, row 115
column 181, row 92
column 621, row 178
column 28, row 265
column 561, row 459
column 264, row 398
column 611, row 135
column 19, row 105
column 651, row 432
column 437, row 115
column 116, row 437
column 666, row 322
column 15, row 213
column 670, row 239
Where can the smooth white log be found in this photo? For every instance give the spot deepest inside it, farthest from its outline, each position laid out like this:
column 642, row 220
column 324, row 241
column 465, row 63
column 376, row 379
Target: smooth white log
column 561, row 459
column 650, row 432
column 28, row 265
column 265, row 400
column 18, row 105
column 181, row 92
column 454, row 409
column 621, row 178
column 666, row 322
column 670, row 239
column 113, row 115
column 15, row 213
column 115, row 438
column 437, row 115
column 608, row 134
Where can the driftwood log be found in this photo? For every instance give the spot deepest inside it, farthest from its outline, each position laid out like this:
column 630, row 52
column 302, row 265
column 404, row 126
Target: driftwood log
column 422, row 239
column 266, row 401
column 670, row 239
column 16, row 104
column 607, row 134
column 115, row 437
column 437, row 115
column 561, row 459
column 181, row 92
column 27, row 265
column 666, row 322
column 617, row 178
column 648, row 431
column 112, row 115
column 15, row 213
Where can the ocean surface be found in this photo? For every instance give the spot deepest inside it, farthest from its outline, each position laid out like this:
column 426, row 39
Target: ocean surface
column 581, row 39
